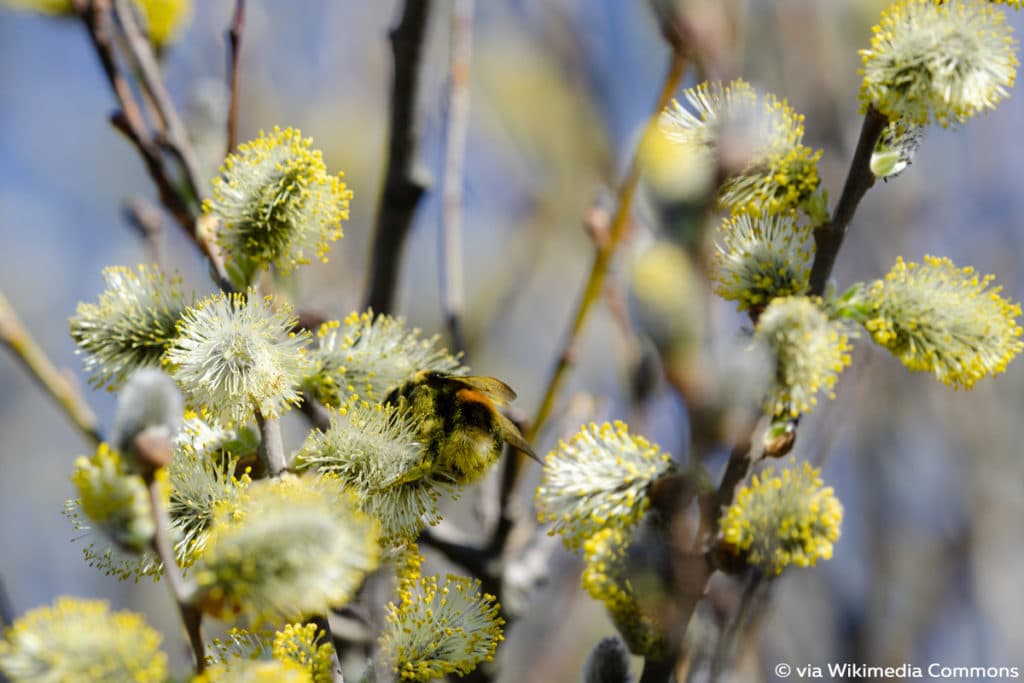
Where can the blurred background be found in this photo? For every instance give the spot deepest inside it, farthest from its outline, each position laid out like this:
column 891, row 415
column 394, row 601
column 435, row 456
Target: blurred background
column 928, row 568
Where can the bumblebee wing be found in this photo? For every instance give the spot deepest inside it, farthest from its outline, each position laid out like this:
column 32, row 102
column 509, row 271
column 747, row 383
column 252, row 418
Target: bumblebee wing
column 492, row 388
column 510, row 433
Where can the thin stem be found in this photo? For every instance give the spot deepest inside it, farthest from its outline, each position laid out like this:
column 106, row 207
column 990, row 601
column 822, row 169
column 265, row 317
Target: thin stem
column 174, row 136
column 324, row 626
column 17, row 338
column 506, row 501
column 6, row 609
column 318, row 415
column 184, row 205
column 271, row 450
column 402, row 189
column 471, row 558
column 726, row 645
column 234, row 38
column 452, row 288
column 828, row 238
column 191, row 617
column 148, row 221
column 98, row 18
column 603, row 257
column 741, row 459
column 657, row 670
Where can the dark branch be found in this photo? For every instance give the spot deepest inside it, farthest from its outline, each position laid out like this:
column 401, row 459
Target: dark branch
column 234, row 38
column 324, row 627
column 6, row 609
column 470, row 558
column 170, row 137
column 828, row 238
column 402, row 189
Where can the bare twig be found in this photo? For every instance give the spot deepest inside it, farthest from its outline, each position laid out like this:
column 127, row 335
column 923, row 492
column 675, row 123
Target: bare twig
column 324, row 626
column 828, row 238
column 469, row 557
column 173, row 136
column 317, row 413
column 17, row 338
column 656, row 670
column 271, row 450
column 603, row 256
column 6, row 609
column 191, row 617
column 184, row 205
column 402, row 189
column 98, row 18
column 147, row 220
column 725, row 648
column 741, row 459
column 452, row 288
column 234, row 38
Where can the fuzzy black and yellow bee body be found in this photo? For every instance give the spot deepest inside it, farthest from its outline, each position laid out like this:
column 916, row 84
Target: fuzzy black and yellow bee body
column 459, row 421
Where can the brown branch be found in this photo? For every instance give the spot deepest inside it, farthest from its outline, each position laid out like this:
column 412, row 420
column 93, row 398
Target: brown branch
column 234, row 38
column 324, row 627
column 173, row 136
column 828, row 238
column 402, row 189
column 318, row 415
column 452, row 288
column 656, row 670
column 148, row 222
column 724, row 649
column 471, row 558
column 741, row 459
column 17, row 338
column 271, row 450
column 191, row 617
column 98, row 17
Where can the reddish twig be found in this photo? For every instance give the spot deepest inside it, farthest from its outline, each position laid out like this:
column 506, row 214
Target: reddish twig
column 172, row 135
column 234, row 38
column 169, row 137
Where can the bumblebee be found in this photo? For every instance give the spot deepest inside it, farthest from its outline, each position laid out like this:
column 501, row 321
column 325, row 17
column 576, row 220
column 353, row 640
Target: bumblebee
column 459, row 421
